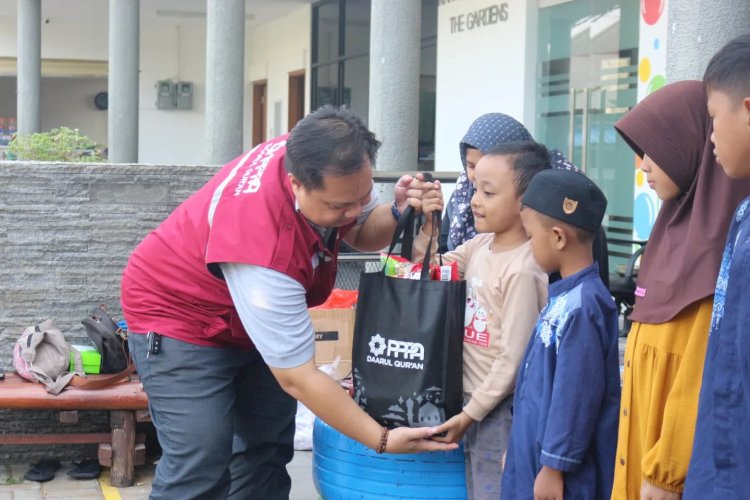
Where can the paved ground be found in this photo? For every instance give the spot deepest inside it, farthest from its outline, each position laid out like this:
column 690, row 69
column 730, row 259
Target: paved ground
column 13, row 487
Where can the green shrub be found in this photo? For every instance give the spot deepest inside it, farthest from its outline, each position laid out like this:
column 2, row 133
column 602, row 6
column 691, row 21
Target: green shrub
column 59, row 144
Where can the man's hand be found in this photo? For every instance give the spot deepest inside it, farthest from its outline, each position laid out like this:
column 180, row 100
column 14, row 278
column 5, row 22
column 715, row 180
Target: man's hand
column 454, row 428
column 410, row 190
column 432, row 202
column 376, row 231
column 413, row 440
column 548, row 484
column 651, row 492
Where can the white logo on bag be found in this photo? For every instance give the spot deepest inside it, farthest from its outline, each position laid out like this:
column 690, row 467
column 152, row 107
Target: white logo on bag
column 377, row 345
column 395, row 351
column 410, row 350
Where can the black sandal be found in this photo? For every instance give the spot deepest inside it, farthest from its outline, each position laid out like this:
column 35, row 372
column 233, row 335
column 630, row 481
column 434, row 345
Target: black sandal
column 43, row 470
column 85, row 469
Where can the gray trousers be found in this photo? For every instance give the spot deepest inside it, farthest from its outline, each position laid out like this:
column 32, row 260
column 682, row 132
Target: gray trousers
column 484, row 444
column 225, row 426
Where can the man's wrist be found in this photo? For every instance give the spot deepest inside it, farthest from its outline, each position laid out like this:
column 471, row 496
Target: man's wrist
column 395, row 211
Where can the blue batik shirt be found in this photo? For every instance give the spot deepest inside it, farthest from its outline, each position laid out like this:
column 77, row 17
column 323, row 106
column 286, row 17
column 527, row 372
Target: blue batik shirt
column 720, row 464
column 567, row 395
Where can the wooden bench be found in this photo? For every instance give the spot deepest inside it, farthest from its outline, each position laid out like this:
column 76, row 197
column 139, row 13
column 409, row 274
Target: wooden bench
column 126, row 403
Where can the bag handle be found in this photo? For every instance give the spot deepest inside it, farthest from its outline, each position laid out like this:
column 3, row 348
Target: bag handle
column 436, row 223
column 405, row 227
column 428, row 254
column 101, row 382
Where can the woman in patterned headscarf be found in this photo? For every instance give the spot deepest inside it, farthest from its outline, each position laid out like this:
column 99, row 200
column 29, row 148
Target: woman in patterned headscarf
column 487, row 131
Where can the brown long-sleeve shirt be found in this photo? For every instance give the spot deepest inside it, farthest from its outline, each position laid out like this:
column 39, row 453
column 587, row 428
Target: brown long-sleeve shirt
column 505, row 293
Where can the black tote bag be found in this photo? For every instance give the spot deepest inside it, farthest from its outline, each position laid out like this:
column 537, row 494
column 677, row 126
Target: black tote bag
column 408, row 343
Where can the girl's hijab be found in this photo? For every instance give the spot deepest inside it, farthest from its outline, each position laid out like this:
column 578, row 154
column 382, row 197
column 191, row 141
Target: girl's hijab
column 681, row 261
column 486, row 132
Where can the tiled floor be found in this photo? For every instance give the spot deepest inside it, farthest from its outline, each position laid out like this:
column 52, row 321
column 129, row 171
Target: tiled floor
column 12, row 486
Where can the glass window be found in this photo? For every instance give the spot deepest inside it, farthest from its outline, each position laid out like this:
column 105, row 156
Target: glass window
column 326, row 27
column 341, row 63
column 357, row 27
column 427, row 79
column 587, row 60
column 326, row 81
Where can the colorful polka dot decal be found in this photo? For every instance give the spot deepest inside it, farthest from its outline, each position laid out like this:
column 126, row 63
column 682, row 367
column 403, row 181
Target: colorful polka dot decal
column 644, row 215
column 657, row 82
column 651, row 10
column 644, row 69
column 652, row 63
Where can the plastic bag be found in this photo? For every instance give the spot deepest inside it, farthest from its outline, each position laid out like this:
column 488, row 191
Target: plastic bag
column 339, row 299
column 399, row 267
column 305, row 419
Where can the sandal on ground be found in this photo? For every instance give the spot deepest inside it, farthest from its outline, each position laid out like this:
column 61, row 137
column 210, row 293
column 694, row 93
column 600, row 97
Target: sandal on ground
column 43, row 470
column 85, row 469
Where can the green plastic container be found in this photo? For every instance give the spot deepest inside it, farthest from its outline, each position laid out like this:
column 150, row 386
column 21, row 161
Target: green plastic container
column 92, row 360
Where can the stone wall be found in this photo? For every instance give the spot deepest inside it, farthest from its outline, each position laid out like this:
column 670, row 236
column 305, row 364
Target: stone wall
column 66, row 231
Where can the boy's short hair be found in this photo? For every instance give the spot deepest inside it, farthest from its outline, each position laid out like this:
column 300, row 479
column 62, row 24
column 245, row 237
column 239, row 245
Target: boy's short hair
column 569, row 197
column 528, row 158
column 729, row 69
column 582, row 235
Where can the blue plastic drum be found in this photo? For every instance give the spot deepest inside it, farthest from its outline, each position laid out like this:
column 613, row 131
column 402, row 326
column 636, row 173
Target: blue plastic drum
column 345, row 469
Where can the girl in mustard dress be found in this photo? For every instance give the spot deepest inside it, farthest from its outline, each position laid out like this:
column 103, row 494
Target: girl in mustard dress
column 670, row 131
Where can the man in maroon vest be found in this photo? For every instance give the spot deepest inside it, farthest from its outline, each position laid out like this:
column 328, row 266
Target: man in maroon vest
column 216, row 303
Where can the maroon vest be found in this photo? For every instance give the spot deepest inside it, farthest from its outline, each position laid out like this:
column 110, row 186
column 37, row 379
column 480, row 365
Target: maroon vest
column 245, row 214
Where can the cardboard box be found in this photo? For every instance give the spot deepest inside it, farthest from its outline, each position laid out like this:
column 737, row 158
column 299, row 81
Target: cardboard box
column 334, row 329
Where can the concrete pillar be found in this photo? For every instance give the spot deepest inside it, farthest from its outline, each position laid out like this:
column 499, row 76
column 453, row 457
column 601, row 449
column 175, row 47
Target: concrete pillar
column 395, row 38
column 124, row 52
column 28, row 106
column 697, row 30
column 225, row 79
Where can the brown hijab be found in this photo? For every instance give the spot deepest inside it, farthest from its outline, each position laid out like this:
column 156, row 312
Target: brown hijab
column 683, row 254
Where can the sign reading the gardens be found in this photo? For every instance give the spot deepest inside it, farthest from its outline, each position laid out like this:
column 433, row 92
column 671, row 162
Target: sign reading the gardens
column 478, row 18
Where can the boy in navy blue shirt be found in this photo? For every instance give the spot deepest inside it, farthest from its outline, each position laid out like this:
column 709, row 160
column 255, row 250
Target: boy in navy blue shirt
column 720, row 463
column 566, row 404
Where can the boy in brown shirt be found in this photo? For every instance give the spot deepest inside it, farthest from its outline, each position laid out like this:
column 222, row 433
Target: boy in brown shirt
column 506, row 289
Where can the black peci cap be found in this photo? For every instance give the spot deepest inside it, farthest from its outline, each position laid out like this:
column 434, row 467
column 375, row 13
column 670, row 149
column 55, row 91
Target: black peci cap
column 567, row 196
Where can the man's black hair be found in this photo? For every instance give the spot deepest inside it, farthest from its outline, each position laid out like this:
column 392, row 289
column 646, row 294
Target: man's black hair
column 729, row 69
column 527, row 159
column 328, row 141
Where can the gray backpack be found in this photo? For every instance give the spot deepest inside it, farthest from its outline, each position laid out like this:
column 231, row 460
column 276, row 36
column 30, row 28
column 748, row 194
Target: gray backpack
column 42, row 355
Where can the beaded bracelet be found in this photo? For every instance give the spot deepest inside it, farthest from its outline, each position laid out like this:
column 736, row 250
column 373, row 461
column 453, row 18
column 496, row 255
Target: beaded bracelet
column 383, row 441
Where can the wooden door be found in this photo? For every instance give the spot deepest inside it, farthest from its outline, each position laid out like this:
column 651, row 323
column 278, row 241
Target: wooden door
column 260, row 119
column 296, row 97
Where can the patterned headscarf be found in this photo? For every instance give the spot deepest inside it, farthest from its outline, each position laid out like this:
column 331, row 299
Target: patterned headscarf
column 487, row 131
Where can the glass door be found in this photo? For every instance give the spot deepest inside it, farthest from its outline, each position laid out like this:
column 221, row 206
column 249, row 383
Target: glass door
column 587, row 80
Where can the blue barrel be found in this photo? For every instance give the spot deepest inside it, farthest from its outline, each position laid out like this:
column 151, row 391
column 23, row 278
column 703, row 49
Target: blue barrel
column 345, row 469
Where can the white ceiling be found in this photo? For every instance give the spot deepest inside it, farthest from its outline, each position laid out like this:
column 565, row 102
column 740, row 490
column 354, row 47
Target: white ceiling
column 169, row 11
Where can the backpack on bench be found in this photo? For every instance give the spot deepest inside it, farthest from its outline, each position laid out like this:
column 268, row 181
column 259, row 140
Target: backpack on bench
column 42, row 355
column 110, row 341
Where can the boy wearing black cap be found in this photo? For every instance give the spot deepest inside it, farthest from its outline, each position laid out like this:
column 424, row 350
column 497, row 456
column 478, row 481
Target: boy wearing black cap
column 566, row 404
